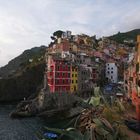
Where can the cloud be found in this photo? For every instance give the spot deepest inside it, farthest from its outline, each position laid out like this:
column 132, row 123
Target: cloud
column 25, row 24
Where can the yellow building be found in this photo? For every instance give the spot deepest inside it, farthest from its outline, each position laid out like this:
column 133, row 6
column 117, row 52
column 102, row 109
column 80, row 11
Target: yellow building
column 74, row 79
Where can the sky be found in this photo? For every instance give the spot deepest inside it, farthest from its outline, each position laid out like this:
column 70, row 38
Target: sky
column 28, row 23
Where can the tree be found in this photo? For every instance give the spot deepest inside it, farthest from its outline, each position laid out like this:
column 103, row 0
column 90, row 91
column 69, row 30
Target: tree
column 58, row 33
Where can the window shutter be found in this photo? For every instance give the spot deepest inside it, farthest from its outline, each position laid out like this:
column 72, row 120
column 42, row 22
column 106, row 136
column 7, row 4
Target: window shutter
column 137, row 67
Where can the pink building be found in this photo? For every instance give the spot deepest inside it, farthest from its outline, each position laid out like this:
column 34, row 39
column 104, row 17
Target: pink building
column 58, row 74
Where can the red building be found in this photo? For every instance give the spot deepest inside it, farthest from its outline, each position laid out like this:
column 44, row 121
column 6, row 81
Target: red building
column 58, row 74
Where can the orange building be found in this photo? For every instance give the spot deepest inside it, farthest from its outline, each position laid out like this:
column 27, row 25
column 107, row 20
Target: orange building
column 136, row 79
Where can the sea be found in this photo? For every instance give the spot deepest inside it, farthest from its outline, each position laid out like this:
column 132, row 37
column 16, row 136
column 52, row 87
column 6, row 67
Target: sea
column 18, row 129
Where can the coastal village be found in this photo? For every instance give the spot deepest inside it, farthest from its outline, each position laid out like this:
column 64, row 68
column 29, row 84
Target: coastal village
column 78, row 63
column 83, row 66
column 69, row 70
column 94, row 84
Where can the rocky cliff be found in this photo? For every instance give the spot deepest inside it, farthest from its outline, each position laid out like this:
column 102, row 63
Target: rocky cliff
column 23, row 76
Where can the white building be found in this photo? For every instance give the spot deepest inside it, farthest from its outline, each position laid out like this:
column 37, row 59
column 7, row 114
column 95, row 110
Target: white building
column 112, row 72
column 66, row 34
column 130, row 57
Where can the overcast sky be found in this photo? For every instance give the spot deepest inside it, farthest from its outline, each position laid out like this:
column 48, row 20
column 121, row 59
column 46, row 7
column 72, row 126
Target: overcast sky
column 28, row 23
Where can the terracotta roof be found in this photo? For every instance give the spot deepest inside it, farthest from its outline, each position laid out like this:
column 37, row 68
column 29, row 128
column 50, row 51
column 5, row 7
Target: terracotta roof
column 110, row 61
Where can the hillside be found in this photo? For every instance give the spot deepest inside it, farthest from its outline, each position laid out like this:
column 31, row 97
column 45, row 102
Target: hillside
column 20, row 62
column 23, row 76
column 127, row 36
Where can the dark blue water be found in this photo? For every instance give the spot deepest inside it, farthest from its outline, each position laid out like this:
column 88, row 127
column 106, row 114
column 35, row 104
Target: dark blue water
column 17, row 129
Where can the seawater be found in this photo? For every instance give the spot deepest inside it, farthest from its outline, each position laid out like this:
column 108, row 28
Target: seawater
column 17, row 129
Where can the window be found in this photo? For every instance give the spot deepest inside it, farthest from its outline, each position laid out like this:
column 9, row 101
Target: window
column 82, row 86
column 76, row 81
column 131, row 79
column 111, row 77
column 108, row 72
column 126, row 88
column 63, row 74
column 94, row 76
column 69, row 75
column 68, row 67
column 111, row 71
column 60, row 89
column 94, row 70
column 72, row 81
column 137, row 67
column 136, row 48
column 66, row 81
column 112, row 68
column 108, row 68
column 64, row 89
column 56, row 81
column 74, row 88
column 63, row 67
column 72, row 75
column 63, row 81
column 57, row 74
column 58, row 67
column 73, row 69
column 75, row 75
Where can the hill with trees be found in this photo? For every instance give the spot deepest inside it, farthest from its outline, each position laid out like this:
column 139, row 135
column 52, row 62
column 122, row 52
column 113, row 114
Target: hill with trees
column 125, row 37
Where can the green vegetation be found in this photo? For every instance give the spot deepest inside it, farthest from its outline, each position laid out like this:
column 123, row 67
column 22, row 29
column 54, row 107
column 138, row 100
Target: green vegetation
column 120, row 37
column 20, row 62
column 100, row 121
column 58, row 33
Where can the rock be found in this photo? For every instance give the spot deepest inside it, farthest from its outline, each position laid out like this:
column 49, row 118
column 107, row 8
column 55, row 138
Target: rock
column 46, row 101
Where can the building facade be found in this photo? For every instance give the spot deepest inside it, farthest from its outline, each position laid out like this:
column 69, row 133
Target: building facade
column 112, row 72
column 69, row 64
column 74, row 79
column 58, row 75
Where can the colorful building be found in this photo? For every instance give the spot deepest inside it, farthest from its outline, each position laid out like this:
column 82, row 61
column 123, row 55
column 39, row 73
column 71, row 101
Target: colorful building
column 132, row 79
column 86, row 77
column 58, row 74
column 74, row 79
column 136, row 80
column 69, row 64
column 112, row 71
